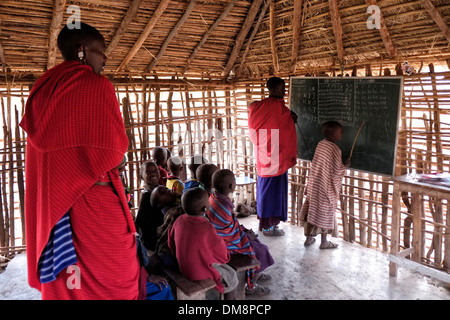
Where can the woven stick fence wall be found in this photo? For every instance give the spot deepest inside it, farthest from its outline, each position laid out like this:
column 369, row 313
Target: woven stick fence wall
column 203, row 116
column 365, row 206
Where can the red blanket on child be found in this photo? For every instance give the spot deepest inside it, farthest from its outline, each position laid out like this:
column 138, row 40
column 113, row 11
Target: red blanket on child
column 75, row 135
column 273, row 134
column 197, row 246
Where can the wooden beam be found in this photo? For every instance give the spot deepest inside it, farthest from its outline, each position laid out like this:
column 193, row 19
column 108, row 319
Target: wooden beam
column 337, row 29
column 436, row 16
column 147, row 30
column 106, row 3
column 418, row 267
column 2, row 53
column 254, row 31
column 251, row 14
column 172, row 34
column 273, row 48
column 210, row 30
column 55, row 26
column 296, row 26
column 129, row 16
column 384, row 33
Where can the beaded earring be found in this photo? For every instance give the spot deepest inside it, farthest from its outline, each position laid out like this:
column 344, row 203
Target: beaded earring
column 82, row 57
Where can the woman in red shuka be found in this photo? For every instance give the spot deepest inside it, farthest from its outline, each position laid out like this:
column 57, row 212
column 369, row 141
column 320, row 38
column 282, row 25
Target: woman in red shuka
column 272, row 131
column 75, row 141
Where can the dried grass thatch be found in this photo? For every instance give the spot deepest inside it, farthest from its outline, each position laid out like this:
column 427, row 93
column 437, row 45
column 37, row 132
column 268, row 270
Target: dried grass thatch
column 250, row 38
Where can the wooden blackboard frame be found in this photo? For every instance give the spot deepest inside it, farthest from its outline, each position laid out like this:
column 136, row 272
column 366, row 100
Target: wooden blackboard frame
column 350, row 129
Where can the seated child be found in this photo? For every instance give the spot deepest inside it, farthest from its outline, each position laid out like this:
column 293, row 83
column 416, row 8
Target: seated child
column 324, row 185
column 200, row 251
column 196, row 161
column 175, row 166
column 204, row 175
column 168, row 202
column 148, row 218
column 237, row 237
column 151, row 285
column 159, row 155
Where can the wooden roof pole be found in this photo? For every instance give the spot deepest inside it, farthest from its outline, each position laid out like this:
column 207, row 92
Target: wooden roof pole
column 2, row 54
column 384, row 32
column 129, row 16
column 55, row 26
column 210, row 30
column 172, row 33
column 273, row 48
column 241, row 36
column 436, row 16
column 148, row 28
column 337, row 29
column 254, row 31
column 296, row 25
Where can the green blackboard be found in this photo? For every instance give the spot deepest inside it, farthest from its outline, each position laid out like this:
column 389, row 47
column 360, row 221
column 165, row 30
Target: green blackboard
column 374, row 100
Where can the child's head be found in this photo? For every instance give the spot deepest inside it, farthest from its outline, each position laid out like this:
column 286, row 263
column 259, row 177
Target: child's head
column 159, row 155
column 332, row 130
column 196, row 161
column 150, row 173
column 224, row 181
column 175, row 166
column 195, row 202
column 204, row 174
column 162, row 196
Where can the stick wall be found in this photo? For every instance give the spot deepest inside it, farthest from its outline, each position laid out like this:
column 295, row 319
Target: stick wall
column 209, row 117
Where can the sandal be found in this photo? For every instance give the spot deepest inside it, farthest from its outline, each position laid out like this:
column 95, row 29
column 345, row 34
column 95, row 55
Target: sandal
column 329, row 245
column 310, row 243
column 263, row 277
column 273, row 232
column 257, row 291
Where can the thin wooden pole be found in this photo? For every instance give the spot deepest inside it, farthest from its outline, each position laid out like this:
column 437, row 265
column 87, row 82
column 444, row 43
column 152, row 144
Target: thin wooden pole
column 20, row 177
column 446, row 262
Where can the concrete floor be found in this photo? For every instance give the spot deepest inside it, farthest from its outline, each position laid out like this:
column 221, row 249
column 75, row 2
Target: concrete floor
column 350, row 272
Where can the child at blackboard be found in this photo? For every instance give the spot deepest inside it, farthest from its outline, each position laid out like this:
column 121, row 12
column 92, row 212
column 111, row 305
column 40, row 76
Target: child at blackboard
column 324, row 185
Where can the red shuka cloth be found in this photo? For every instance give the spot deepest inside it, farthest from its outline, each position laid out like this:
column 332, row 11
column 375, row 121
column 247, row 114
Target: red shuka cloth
column 76, row 136
column 196, row 245
column 272, row 132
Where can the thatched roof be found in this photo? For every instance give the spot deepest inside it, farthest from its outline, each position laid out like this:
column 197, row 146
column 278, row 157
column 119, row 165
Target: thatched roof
column 213, row 38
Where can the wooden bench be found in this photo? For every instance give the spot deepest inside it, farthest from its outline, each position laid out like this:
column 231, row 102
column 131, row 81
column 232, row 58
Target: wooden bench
column 241, row 263
column 182, row 288
column 186, row 289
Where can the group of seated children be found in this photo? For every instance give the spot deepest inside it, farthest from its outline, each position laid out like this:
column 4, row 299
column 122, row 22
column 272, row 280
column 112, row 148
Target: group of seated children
column 195, row 228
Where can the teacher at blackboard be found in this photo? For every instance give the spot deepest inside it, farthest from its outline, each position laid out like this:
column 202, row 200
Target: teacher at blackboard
column 272, row 132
